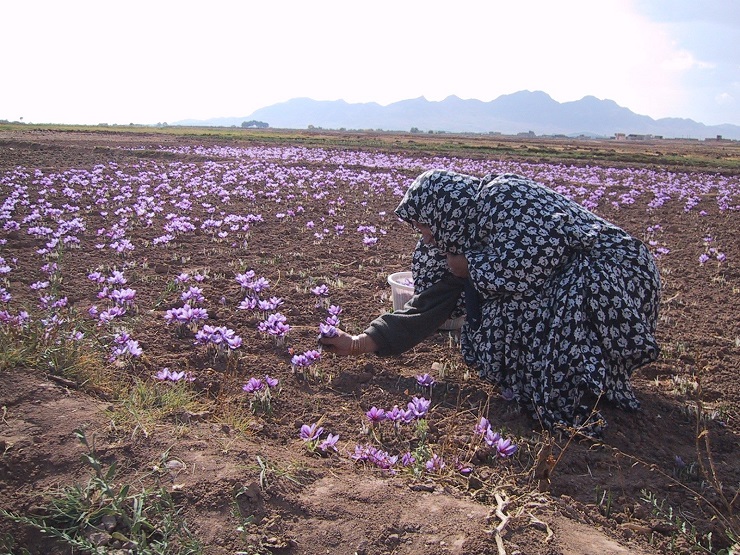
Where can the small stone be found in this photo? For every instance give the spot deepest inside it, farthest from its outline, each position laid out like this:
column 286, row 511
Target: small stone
column 109, row 522
column 99, row 538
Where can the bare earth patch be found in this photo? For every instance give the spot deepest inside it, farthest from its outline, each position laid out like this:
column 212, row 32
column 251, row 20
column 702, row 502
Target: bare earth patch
column 245, row 482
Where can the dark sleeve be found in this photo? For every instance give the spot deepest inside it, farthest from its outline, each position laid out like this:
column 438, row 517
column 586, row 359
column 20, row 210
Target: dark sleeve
column 397, row 332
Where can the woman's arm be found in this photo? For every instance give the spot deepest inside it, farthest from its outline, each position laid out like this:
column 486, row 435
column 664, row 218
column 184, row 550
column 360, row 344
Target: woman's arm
column 396, row 332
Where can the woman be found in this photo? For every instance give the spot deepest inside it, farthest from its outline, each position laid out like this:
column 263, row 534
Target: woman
column 561, row 305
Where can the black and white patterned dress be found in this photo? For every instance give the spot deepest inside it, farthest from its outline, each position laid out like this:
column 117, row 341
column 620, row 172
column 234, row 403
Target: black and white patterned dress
column 568, row 302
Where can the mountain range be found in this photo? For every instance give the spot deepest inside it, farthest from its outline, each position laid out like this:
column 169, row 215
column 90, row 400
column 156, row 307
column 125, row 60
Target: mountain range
column 520, row 112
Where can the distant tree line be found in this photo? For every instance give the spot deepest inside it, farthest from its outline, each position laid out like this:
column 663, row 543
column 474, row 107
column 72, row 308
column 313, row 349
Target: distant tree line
column 254, row 123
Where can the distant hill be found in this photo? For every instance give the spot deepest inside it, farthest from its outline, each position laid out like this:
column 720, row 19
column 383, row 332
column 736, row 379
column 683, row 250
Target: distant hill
column 520, row 112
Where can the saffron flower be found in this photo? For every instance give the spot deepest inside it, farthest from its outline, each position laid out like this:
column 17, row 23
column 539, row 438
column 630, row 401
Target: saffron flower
column 491, row 438
column 425, row 380
column 312, row 432
column 276, row 325
column 186, row 314
column 330, row 443
column 320, row 290
column 250, row 303
column 419, row 406
column 270, row 304
column 218, row 336
column 408, row 459
column 194, row 294
column 435, row 464
column 328, row 330
column 305, row 359
column 123, row 296
column 373, row 455
column 245, row 279
column 482, row 426
column 165, row 374
column 254, row 384
column 375, row 415
column 505, row 448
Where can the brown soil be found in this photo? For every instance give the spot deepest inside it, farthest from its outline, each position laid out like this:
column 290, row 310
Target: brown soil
column 306, row 504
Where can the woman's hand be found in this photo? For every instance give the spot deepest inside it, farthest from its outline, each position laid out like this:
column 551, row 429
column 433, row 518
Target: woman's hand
column 340, row 344
column 458, row 265
column 344, row 344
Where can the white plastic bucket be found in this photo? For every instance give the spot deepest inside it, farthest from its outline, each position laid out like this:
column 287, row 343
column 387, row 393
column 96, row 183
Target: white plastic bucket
column 402, row 289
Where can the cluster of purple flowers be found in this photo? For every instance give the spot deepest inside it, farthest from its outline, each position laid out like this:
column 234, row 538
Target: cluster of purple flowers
column 382, row 459
column 18, row 321
column 123, row 297
column 124, row 346
column 711, row 252
column 311, row 434
column 186, row 315
column 193, row 295
column 305, row 359
column 328, row 328
column 252, row 303
column 108, row 315
column 320, row 290
column 255, row 384
column 219, row 338
column 247, row 281
column 377, row 457
column 184, row 277
column 165, row 374
column 504, row 448
column 369, row 237
column 275, row 325
column 416, row 408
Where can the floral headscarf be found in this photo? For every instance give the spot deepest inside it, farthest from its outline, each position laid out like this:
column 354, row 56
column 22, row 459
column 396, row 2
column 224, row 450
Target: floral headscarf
column 445, row 202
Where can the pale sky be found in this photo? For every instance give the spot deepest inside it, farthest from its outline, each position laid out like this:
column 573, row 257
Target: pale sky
column 150, row 61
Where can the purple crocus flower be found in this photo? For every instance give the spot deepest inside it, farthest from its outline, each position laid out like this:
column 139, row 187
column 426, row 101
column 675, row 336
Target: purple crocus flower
column 375, row 415
column 116, row 278
column 250, row 303
column 194, row 294
column 491, row 438
column 123, row 296
column 435, row 464
column 328, row 330
column 483, row 426
column 395, row 414
column 245, row 279
column 408, row 459
column 425, row 380
column 330, row 443
column 505, row 448
column 97, row 277
column 253, row 385
column 260, row 284
column 271, row 382
column 320, row 290
column 419, row 406
column 312, row 432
